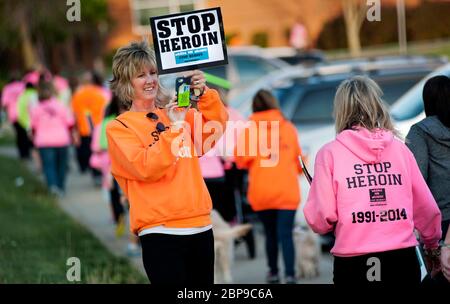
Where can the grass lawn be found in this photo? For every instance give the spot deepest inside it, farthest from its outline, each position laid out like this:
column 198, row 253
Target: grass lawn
column 7, row 137
column 37, row 237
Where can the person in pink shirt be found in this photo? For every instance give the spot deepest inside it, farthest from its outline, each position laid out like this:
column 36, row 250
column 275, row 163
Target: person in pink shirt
column 62, row 87
column 51, row 123
column 213, row 173
column 368, row 189
column 10, row 96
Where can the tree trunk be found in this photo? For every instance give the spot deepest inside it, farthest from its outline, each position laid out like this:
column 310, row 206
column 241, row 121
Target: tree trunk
column 28, row 53
column 70, row 56
column 354, row 13
column 353, row 40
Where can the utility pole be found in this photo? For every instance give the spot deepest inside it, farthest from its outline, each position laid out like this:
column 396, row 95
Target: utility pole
column 401, row 24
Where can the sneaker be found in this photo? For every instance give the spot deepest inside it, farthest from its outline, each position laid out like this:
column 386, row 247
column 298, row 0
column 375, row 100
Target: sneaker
column 56, row 192
column 120, row 227
column 133, row 250
column 290, row 280
column 272, row 279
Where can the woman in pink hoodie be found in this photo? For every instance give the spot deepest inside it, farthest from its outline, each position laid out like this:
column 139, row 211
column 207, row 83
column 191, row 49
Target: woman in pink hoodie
column 51, row 123
column 368, row 189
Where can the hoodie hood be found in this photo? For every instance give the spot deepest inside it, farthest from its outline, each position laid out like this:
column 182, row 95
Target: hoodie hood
column 436, row 130
column 366, row 145
column 269, row 115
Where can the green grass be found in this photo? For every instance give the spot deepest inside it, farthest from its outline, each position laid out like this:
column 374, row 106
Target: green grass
column 37, row 237
column 7, row 137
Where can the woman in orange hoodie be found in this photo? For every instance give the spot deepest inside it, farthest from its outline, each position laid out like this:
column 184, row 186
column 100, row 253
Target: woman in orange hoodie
column 269, row 149
column 157, row 168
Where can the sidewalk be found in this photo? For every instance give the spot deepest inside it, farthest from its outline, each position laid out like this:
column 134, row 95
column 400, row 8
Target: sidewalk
column 84, row 203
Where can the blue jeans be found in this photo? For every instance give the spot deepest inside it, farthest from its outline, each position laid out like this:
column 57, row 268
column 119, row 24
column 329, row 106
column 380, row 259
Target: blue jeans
column 278, row 226
column 54, row 165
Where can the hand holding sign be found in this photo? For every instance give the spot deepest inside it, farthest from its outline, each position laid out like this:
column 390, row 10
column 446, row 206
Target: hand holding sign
column 198, row 81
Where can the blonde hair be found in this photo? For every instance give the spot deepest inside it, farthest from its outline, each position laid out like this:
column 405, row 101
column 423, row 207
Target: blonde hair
column 127, row 63
column 46, row 89
column 358, row 102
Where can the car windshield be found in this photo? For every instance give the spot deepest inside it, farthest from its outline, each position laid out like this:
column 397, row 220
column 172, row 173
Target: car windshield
column 315, row 105
column 411, row 104
column 251, row 68
column 315, row 102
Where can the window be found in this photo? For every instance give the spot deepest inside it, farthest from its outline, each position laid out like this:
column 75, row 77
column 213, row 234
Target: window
column 144, row 9
column 251, row 68
column 394, row 90
column 315, row 106
column 410, row 105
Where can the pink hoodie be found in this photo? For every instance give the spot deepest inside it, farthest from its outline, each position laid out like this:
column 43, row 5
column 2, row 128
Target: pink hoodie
column 210, row 163
column 51, row 122
column 10, row 96
column 367, row 186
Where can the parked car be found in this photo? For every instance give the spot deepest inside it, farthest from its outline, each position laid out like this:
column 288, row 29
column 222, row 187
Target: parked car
column 293, row 57
column 408, row 109
column 306, row 93
column 245, row 65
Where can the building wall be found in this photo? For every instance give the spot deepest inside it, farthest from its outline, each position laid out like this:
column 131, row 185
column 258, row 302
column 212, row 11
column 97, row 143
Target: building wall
column 247, row 17
column 122, row 32
column 274, row 17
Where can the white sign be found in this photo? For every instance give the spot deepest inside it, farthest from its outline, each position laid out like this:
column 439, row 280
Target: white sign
column 189, row 41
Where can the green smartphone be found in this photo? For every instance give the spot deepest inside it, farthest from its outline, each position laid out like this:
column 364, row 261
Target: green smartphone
column 183, row 88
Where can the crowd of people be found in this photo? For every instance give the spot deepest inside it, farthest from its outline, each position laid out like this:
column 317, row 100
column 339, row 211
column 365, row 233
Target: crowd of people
column 380, row 197
column 52, row 119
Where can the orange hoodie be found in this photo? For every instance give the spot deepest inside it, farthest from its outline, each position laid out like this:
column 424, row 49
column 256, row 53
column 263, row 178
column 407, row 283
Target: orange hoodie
column 88, row 103
column 272, row 185
column 162, row 188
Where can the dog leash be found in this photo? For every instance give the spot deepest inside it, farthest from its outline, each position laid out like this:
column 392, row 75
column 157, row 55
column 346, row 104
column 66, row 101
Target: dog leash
column 305, row 170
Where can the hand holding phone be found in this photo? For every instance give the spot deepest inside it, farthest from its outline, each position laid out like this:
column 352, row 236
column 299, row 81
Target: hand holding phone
column 183, row 89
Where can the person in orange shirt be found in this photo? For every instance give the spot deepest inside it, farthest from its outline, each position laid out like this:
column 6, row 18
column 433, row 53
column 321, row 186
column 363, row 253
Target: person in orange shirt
column 273, row 166
column 88, row 104
column 153, row 158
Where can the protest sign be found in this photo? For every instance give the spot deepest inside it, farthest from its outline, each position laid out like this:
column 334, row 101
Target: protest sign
column 189, row 41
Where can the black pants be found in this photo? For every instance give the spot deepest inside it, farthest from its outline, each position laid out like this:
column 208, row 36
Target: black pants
column 234, row 186
column 179, row 259
column 216, row 188
column 444, row 226
column 116, row 205
column 399, row 267
column 84, row 153
column 23, row 142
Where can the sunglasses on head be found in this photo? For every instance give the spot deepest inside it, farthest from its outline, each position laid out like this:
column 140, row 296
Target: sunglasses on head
column 160, row 127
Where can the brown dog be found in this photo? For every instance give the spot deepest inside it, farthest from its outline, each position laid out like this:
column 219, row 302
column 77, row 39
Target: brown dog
column 307, row 248
column 224, row 236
